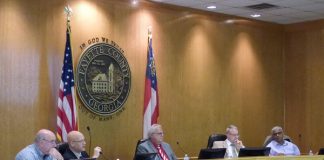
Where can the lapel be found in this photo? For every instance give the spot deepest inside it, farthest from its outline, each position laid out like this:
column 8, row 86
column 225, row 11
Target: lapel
column 152, row 147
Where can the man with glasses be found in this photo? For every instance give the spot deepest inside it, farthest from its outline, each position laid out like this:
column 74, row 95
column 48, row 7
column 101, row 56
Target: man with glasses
column 155, row 144
column 232, row 143
column 279, row 146
column 42, row 148
column 76, row 149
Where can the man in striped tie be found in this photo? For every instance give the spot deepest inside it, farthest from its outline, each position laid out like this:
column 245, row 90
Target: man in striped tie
column 155, row 144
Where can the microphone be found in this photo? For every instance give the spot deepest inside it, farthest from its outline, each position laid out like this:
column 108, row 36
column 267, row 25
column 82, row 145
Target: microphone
column 181, row 148
column 103, row 155
column 88, row 128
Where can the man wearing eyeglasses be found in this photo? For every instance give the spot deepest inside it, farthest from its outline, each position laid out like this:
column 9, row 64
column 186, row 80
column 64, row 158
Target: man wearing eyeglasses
column 232, row 143
column 42, row 148
column 155, row 144
column 279, row 146
column 76, row 149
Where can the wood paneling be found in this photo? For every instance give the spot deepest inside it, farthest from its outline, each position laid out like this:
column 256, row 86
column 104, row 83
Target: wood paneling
column 210, row 73
column 304, row 78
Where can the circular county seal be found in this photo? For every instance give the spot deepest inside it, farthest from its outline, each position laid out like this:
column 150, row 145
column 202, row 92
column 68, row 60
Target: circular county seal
column 103, row 78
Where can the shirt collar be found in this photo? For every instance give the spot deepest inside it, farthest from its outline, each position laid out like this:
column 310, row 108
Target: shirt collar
column 78, row 155
column 229, row 143
column 278, row 144
column 38, row 151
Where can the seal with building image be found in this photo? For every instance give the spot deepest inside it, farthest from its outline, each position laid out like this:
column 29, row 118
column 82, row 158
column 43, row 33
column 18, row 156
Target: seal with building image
column 103, row 78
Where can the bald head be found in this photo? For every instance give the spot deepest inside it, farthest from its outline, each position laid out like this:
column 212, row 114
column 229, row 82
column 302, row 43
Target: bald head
column 76, row 141
column 45, row 140
column 278, row 134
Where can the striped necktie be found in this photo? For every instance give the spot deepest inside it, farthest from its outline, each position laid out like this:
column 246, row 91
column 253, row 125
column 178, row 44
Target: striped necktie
column 161, row 153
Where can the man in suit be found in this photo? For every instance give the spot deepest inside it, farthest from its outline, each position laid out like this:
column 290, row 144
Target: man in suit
column 232, row 143
column 155, row 144
column 76, row 149
column 279, row 146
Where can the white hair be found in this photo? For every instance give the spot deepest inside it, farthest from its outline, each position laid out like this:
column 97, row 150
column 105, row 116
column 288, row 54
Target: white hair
column 276, row 128
column 230, row 128
column 153, row 129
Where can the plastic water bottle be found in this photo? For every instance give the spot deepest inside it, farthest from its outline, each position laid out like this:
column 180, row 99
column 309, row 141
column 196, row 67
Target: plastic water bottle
column 310, row 153
column 186, row 157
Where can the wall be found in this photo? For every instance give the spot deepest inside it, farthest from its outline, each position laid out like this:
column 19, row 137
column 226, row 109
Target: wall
column 304, row 78
column 210, row 73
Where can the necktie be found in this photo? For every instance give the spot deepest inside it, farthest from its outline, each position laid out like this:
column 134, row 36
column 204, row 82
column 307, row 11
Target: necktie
column 161, row 153
column 45, row 156
column 234, row 153
column 81, row 157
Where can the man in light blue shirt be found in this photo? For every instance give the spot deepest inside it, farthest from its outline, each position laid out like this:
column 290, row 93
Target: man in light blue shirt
column 42, row 148
column 279, row 146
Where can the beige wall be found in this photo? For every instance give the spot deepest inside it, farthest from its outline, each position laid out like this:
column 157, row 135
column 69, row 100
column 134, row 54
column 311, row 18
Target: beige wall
column 210, row 74
column 304, row 79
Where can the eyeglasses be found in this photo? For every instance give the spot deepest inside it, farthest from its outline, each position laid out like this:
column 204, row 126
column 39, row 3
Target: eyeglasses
column 79, row 141
column 278, row 133
column 159, row 133
column 235, row 135
column 49, row 141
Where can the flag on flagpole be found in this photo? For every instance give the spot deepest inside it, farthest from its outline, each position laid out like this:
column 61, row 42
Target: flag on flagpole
column 66, row 108
column 151, row 98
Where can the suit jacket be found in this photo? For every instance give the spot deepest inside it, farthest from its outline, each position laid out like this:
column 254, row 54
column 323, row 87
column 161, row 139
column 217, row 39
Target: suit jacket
column 148, row 147
column 70, row 155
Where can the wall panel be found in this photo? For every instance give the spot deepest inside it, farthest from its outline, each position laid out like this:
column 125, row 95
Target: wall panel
column 210, row 74
column 304, row 78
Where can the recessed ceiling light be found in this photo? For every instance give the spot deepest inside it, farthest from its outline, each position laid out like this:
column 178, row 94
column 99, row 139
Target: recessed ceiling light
column 211, row 7
column 134, row 2
column 255, row 15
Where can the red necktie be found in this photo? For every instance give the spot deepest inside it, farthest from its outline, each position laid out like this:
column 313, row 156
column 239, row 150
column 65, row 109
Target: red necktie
column 162, row 154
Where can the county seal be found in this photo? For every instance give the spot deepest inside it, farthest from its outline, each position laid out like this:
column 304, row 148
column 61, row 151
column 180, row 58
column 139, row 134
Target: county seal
column 103, row 78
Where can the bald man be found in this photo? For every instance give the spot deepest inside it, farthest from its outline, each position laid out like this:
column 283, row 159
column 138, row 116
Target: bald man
column 76, row 148
column 42, row 148
column 281, row 147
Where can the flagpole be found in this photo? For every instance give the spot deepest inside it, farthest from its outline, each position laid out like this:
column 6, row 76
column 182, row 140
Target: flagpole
column 68, row 11
column 149, row 29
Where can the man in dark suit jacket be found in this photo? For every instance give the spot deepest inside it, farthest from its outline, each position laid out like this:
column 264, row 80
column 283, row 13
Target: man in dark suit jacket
column 76, row 149
column 155, row 144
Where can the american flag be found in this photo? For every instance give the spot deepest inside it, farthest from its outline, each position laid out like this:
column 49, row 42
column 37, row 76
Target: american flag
column 151, row 98
column 66, row 109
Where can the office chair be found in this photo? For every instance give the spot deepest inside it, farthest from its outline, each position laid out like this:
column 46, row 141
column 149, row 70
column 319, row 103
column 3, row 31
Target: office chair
column 215, row 137
column 137, row 156
column 62, row 147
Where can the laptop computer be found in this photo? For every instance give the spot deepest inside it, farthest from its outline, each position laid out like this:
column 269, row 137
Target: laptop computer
column 212, row 153
column 254, row 151
column 145, row 156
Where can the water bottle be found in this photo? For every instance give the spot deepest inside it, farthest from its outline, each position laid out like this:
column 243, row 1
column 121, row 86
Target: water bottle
column 186, row 157
column 310, row 153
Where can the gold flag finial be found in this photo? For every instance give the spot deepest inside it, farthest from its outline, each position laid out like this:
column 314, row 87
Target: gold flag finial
column 150, row 32
column 68, row 11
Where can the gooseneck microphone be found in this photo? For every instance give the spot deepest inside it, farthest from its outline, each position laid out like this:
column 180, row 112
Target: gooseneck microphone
column 88, row 128
column 103, row 155
column 181, row 148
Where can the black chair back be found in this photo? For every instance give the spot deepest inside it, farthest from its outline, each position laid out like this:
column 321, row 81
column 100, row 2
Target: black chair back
column 138, row 143
column 62, row 147
column 215, row 137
